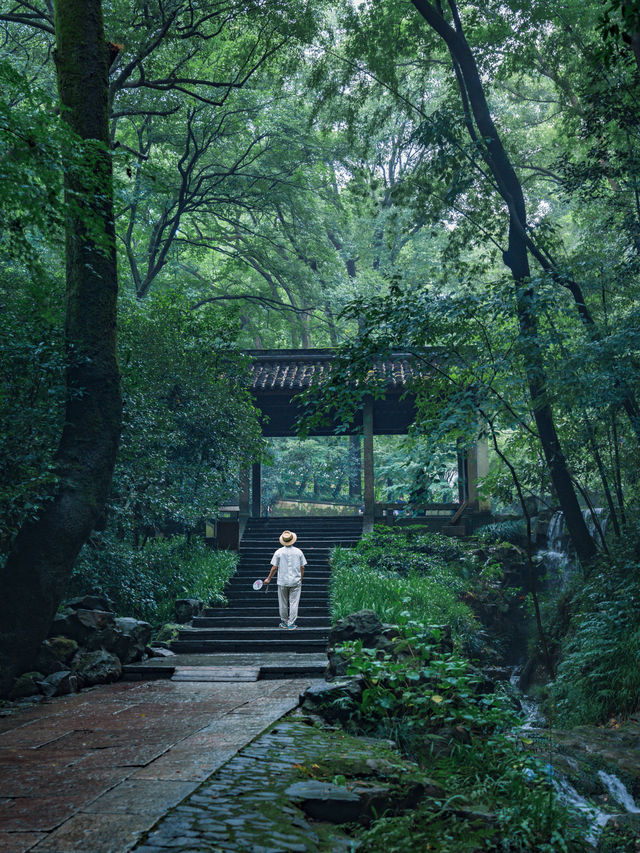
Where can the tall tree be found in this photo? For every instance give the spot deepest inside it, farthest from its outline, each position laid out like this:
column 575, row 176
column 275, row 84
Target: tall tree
column 484, row 134
column 39, row 564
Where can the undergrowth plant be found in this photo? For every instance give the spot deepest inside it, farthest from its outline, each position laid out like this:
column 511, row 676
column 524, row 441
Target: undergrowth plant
column 599, row 673
column 145, row 582
column 490, row 791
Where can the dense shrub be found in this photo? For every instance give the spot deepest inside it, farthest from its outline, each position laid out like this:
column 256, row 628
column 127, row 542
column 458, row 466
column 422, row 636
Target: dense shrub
column 396, row 572
column 598, row 676
column 145, row 582
column 512, row 530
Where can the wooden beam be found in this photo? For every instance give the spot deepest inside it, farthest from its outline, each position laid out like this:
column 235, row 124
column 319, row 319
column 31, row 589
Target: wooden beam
column 454, row 518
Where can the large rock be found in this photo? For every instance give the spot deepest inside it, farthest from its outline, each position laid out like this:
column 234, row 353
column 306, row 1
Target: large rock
column 90, row 628
column 332, row 700
column 59, row 684
column 48, row 662
column 64, row 648
column 129, row 639
column 325, row 801
column 90, row 602
column 187, row 608
column 96, row 667
column 363, row 625
column 337, row 804
column 26, row 684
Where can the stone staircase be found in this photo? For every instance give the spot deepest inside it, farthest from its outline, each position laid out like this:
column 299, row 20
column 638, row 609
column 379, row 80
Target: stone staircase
column 249, row 623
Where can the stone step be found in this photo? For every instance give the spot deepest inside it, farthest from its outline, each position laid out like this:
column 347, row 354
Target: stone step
column 288, row 643
column 316, row 541
column 190, row 635
column 231, row 612
column 246, row 582
column 248, row 575
column 270, row 671
column 216, row 673
column 261, row 621
column 250, row 595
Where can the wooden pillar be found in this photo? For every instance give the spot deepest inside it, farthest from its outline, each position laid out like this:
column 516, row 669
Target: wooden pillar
column 256, row 489
column 463, row 483
column 243, row 500
column 369, row 499
column 477, row 470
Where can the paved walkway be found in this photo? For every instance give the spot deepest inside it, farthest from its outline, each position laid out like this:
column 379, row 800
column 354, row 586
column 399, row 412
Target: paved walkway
column 93, row 771
column 246, row 806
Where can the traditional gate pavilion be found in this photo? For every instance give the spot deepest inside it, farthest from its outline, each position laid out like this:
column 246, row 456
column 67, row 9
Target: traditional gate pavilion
column 278, row 376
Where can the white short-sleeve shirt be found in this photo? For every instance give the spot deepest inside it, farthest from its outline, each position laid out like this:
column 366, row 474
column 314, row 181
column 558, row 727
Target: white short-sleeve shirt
column 289, row 561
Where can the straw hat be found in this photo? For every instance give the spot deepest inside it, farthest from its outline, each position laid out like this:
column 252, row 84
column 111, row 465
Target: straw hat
column 287, row 538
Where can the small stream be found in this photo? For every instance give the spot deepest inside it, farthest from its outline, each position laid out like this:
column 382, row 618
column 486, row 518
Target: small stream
column 620, row 800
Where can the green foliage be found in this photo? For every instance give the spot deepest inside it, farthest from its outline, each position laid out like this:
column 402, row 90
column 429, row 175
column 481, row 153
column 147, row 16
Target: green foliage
column 421, row 688
column 495, row 794
column 395, row 571
column 32, row 396
column 189, row 423
column 513, row 531
column 35, row 148
column 598, row 675
column 145, row 582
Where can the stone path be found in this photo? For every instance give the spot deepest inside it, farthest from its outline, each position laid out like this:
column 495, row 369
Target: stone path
column 245, row 806
column 93, row 771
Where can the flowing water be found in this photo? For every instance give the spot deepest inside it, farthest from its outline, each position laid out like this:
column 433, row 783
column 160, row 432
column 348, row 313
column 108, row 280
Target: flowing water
column 618, row 791
column 557, row 558
column 596, row 817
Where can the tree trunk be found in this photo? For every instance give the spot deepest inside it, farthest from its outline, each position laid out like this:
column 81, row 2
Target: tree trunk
column 39, row 565
column 517, row 260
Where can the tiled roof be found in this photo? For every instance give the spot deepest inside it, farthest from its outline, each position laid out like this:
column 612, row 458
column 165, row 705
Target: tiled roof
column 294, row 370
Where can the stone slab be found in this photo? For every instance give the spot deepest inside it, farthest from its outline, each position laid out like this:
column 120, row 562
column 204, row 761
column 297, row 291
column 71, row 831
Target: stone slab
column 235, row 659
column 141, row 796
column 183, row 765
column 96, row 834
column 19, row 842
column 216, row 673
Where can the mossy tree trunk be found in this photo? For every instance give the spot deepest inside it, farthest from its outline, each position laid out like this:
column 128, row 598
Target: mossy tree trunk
column 39, row 565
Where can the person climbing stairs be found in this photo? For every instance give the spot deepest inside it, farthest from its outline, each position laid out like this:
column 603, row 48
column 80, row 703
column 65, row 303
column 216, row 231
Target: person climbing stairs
column 250, row 620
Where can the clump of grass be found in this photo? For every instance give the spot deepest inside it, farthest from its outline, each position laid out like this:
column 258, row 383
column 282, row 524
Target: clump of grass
column 399, row 577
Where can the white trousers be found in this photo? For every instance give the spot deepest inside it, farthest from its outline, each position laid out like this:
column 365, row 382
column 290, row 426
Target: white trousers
column 288, row 599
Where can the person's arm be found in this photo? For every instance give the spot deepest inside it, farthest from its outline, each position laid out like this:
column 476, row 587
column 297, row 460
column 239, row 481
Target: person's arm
column 271, row 573
column 303, row 563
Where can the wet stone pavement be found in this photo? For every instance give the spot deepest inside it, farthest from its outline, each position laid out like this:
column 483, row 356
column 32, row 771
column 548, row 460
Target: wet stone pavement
column 244, row 806
column 92, row 772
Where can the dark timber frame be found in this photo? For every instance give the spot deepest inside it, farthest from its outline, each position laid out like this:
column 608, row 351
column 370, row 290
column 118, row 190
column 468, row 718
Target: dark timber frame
column 278, row 376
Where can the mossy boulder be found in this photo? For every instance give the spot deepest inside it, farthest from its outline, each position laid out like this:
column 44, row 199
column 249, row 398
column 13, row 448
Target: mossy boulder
column 168, row 632
column 26, row 684
column 64, row 648
column 96, row 667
